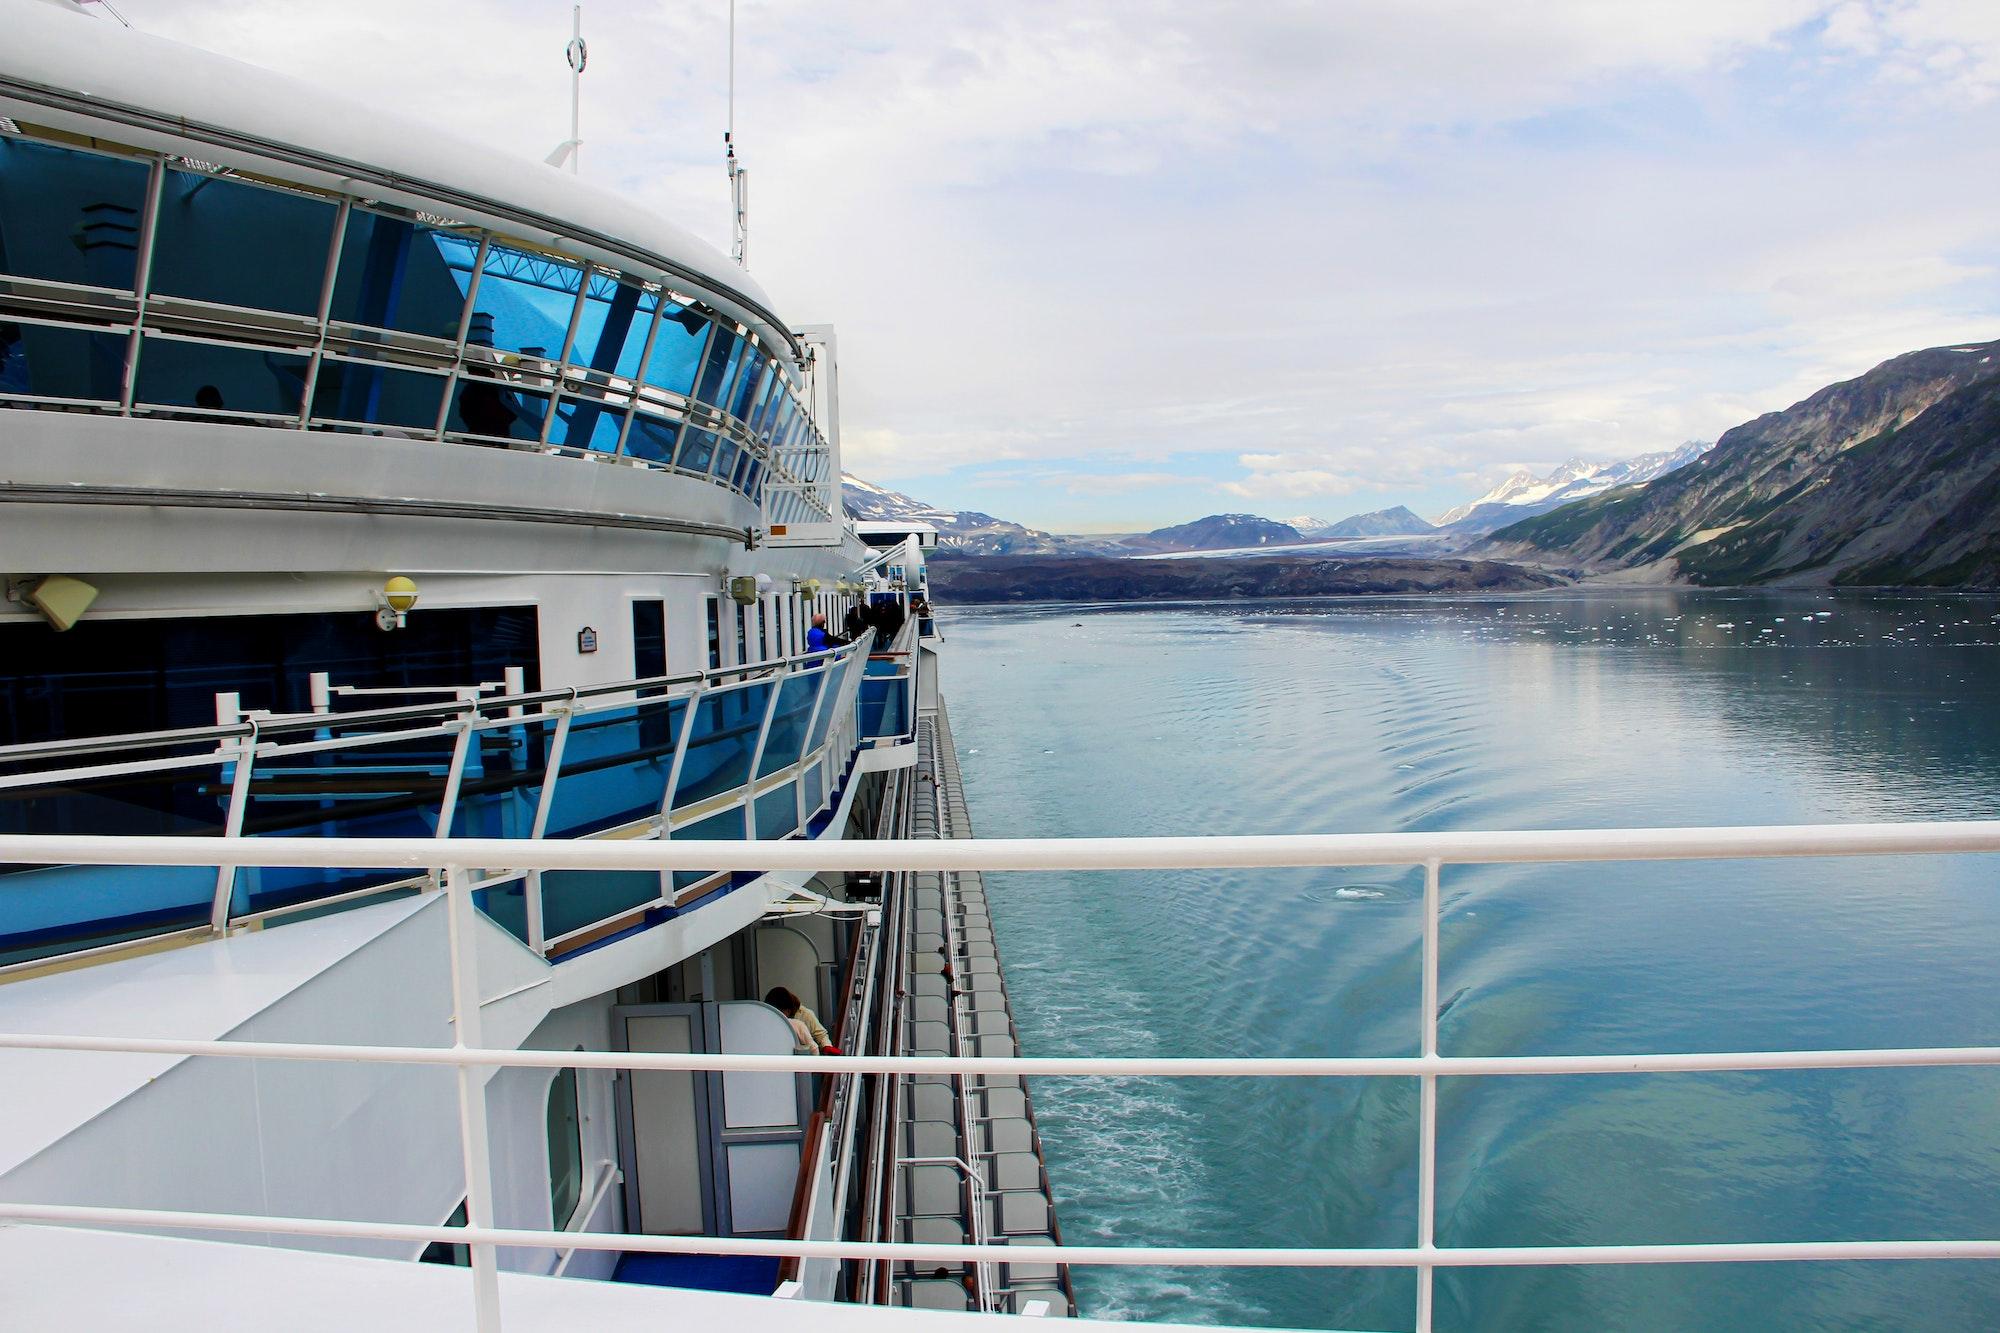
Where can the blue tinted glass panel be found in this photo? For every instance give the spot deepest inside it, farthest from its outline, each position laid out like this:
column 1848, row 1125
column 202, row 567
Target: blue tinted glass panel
column 725, row 827
column 815, row 789
column 697, row 451
column 753, row 484
column 69, row 216
column 62, row 363
column 747, row 386
column 377, row 395
column 203, row 378
column 726, row 456
column 503, row 782
column 881, row 706
column 720, row 747
column 524, row 303
column 238, row 244
column 767, row 404
column 587, row 423
column 614, row 768
column 651, row 439
column 677, row 350
column 778, row 812
column 720, row 369
column 389, row 790
column 574, row 899
column 611, row 332
column 396, row 274
column 789, row 721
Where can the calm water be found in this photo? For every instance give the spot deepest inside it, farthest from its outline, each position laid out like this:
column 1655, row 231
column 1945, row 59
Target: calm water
column 1635, row 709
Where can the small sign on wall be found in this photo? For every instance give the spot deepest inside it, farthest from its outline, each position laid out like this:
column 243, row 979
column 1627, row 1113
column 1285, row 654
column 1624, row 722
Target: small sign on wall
column 586, row 640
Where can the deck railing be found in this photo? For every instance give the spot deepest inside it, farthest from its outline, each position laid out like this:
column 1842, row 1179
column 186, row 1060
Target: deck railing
column 757, row 751
column 1430, row 851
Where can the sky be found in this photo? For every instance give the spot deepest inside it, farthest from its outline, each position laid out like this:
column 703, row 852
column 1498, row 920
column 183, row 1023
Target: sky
column 1109, row 266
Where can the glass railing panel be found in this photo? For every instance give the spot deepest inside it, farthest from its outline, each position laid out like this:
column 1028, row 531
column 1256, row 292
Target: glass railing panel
column 882, row 710
column 778, row 812
column 814, row 785
column 789, row 721
column 574, row 899
column 725, row 827
column 614, row 767
column 57, row 909
column 502, row 786
column 722, row 743
column 391, row 787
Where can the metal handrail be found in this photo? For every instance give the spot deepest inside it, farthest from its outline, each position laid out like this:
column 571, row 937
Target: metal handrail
column 1429, row 850
column 457, row 708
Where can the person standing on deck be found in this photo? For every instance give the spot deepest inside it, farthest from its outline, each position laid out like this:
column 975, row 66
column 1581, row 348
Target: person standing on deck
column 817, row 639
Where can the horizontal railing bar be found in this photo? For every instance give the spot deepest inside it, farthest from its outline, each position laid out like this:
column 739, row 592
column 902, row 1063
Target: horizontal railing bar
column 481, row 707
column 999, row 854
column 1508, row 1256
column 1356, row 1066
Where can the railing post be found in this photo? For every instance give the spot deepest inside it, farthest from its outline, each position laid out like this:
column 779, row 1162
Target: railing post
column 465, row 1029
column 232, row 827
column 1427, row 1103
column 531, row 888
column 757, row 759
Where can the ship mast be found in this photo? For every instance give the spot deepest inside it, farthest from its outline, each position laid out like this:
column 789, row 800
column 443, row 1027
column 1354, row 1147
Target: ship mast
column 739, row 175
column 577, row 55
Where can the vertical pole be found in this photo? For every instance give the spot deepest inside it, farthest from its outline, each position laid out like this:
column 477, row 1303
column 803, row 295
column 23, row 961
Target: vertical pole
column 472, row 1097
column 575, row 90
column 1427, row 1106
column 551, row 770
column 232, row 827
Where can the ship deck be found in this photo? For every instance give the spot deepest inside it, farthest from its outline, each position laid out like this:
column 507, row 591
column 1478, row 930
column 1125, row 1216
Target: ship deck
column 54, row 1278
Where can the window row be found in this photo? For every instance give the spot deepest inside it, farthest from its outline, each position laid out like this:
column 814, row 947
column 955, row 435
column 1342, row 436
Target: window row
column 265, row 304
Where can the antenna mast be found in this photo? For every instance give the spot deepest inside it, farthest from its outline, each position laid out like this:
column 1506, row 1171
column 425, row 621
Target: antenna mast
column 577, row 55
column 739, row 176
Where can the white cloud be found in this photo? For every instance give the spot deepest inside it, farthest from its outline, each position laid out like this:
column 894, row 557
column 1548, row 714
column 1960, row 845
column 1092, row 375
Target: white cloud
column 1384, row 245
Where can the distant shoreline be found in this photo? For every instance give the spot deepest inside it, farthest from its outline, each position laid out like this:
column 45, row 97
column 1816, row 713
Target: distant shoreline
column 1010, row 579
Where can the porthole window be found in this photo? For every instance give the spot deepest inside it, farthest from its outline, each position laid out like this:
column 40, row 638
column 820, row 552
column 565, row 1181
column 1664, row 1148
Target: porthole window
column 565, row 1149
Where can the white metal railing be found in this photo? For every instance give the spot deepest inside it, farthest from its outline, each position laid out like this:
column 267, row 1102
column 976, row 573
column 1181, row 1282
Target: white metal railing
column 1431, row 851
column 439, row 749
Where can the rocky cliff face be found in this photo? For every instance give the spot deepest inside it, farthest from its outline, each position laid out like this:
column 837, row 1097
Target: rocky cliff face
column 1888, row 478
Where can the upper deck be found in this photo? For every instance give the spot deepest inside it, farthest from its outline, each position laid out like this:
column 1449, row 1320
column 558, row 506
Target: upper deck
column 336, row 270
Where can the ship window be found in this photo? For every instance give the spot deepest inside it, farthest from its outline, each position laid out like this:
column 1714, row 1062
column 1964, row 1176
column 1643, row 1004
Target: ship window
column 713, row 606
column 375, row 395
column 677, row 350
column 51, row 362
column 210, row 379
column 743, row 636
column 108, row 676
column 565, row 1149
column 611, row 331
column 70, row 216
column 396, row 274
column 720, row 370
column 649, row 638
column 238, row 244
column 651, row 439
column 747, row 387
column 697, row 451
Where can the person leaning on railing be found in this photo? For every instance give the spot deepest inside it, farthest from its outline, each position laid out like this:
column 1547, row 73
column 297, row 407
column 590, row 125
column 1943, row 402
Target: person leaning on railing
column 817, row 639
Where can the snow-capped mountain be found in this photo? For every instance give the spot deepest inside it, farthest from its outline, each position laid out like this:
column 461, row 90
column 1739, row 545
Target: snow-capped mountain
column 965, row 530
column 1525, row 494
column 1306, row 524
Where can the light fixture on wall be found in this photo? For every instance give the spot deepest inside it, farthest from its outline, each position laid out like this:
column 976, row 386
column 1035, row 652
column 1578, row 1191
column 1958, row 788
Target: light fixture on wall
column 745, row 589
column 393, row 602
column 62, row 600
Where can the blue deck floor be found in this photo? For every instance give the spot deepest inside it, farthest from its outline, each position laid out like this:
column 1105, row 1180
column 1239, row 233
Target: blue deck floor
column 755, row 1274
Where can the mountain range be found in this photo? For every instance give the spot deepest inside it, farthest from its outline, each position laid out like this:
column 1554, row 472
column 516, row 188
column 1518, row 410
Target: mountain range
column 1524, row 494
column 1890, row 478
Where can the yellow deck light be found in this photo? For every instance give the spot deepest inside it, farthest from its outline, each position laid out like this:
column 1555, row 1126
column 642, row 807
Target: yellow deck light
column 62, row 600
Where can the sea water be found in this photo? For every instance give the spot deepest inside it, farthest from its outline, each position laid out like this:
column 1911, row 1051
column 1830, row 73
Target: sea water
column 1544, row 712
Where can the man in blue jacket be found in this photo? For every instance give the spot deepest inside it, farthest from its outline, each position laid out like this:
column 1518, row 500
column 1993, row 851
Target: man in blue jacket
column 816, row 637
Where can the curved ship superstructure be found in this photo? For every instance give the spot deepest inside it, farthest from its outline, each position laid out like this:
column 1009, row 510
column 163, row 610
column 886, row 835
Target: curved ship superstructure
column 356, row 482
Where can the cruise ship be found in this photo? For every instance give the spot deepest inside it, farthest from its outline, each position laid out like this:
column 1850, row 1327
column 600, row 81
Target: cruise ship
column 357, row 482
column 448, row 876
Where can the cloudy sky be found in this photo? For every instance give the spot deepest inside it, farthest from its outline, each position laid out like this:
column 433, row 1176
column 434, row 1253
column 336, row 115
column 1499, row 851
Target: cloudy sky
column 1104, row 266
